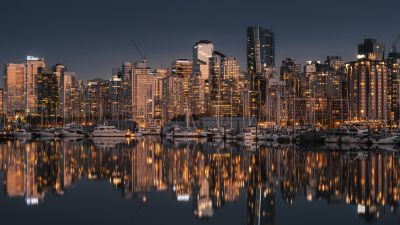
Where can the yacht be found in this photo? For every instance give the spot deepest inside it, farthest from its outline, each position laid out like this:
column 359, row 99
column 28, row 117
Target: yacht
column 250, row 134
column 73, row 131
column 107, row 131
column 48, row 132
column 186, row 133
column 22, row 133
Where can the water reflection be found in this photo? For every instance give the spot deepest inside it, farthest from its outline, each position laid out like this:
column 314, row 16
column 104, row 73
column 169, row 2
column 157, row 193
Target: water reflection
column 209, row 175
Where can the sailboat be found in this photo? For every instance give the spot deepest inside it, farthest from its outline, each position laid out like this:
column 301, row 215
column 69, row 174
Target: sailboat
column 187, row 132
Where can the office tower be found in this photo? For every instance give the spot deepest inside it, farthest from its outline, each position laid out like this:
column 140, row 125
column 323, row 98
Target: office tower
column 15, row 89
column 260, row 64
column 32, row 66
column 184, row 69
column 367, row 84
column 126, row 78
column 69, row 97
column 93, row 100
column 393, row 62
column 157, row 94
column 47, row 92
column 290, row 72
column 173, row 96
column 202, row 51
column 260, row 50
column 224, row 86
column 59, row 70
column 371, row 50
column 336, row 91
column 141, row 93
column 115, row 96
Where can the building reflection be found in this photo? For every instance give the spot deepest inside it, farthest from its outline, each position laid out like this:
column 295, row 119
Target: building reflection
column 207, row 175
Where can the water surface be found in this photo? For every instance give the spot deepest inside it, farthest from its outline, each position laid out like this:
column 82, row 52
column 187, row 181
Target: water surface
column 155, row 181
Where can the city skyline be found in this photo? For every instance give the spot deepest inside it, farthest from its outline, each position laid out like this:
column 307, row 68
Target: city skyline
column 91, row 43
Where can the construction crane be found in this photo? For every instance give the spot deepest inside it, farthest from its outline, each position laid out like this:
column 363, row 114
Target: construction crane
column 394, row 44
column 143, row 57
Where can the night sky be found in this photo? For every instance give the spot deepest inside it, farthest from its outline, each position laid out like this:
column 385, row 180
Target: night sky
column 92, row 37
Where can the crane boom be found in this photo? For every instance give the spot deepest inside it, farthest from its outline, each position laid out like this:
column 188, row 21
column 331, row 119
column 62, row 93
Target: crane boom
column 139, row 51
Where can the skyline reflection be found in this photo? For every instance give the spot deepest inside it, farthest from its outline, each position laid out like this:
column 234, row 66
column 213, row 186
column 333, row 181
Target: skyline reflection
column 209, row 176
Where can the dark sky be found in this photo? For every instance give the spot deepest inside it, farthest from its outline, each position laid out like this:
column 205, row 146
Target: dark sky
column 91, row 37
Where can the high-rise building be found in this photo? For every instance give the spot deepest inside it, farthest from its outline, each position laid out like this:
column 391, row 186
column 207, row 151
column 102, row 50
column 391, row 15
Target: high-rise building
column 260, row 64
column 32, row 65
column 260, row 50
column 367, row 84
column 142, row 81
column 126, row 79
column 15, row 89
column 115, row 96
column 224, row 86
column 184, row 69
column 92, row 100
column 157, row 93
column 202, row 51
column 371, row 50
column 173, row 96
column 47, row 92
column 393, row 62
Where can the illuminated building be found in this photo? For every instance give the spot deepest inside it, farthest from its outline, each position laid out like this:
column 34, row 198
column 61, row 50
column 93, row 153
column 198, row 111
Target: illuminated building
column 126, row 78
column 260, row 64
column 224, row 86
column 32, row 66
column 183, row 68
column 142, row 81
column 202, row 51
column 367, row 84
column 93, row 100
column 157, row 94
column 393, row 62
column 173, row 95
column 115, row 96
column 48, row 102
column 15, row 89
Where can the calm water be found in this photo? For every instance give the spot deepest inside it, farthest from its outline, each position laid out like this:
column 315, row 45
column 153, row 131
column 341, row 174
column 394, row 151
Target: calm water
column 153, row 181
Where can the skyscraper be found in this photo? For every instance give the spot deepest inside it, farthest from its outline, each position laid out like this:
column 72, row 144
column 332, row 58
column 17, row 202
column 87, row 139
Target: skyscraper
column 367, row 83
column 224, row 85
column 157, row 93
column 260, row 64
column 141, row 93
column 260, row 50
column 48, row 104
column 15, row 89
column 202, row 51
column 371, row 50
column 126, row 79
column 32, row 65
column 184, row 69
column 393, row 67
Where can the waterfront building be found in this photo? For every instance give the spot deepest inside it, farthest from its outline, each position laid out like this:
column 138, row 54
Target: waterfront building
column 126, row 79
column 367, row 83
column 15, row 89
column 47, row 91
column 142, row 81
column 393, row 92
column 202, row 51
column 32, row 66
column 260, row 64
